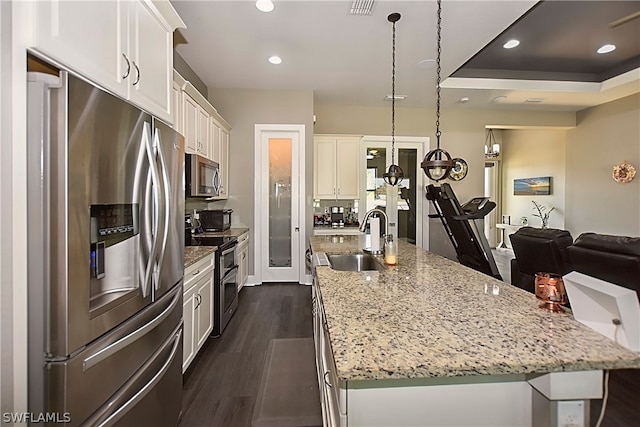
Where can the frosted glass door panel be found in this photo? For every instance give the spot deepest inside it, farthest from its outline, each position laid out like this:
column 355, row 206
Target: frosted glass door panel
column 280, row 151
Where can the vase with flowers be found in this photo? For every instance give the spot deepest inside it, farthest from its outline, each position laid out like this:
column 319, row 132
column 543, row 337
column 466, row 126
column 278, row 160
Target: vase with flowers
column 543, row 213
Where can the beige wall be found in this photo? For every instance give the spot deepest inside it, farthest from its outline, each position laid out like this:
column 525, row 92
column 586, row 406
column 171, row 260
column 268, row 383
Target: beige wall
column 605, row 136
column 243, row 109
column 529, row 154
column 463, row 134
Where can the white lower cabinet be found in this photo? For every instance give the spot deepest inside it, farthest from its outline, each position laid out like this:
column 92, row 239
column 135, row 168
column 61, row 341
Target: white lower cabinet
column 332, row 392
column 197, row 307
column 242, row 256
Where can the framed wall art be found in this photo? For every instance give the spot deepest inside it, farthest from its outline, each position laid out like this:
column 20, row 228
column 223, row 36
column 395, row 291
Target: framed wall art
column 540, row 186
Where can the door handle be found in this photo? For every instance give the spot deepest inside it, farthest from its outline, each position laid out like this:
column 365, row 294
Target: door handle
column 126, row 73
column 119, row 411
column 138, row 72
column 111, row 349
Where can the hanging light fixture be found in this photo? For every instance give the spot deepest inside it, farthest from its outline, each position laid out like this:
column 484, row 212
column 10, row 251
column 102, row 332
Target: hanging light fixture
column 437, row 163
column 394, row 175
column 491, row 147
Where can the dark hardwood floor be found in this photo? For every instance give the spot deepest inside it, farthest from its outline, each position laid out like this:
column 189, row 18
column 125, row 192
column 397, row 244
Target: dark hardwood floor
column 221, row 385
column 623, row 404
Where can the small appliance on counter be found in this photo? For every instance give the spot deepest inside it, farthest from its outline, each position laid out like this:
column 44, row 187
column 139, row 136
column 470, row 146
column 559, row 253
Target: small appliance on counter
column 215, row 219
column 337, row 216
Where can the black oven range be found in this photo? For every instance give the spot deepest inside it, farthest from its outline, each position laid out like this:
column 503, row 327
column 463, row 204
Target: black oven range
column 225, row 278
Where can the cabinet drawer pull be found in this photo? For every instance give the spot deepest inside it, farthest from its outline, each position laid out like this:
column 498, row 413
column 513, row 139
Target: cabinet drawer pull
column 326, row 381
column 195, row 273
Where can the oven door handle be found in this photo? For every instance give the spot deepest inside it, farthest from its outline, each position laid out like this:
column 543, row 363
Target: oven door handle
column 228, row 250
column 232, row 271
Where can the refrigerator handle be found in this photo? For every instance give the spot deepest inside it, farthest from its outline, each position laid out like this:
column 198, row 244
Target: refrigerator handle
column 164, row 206
column 113, row 348
column 155, row 182
column 120, row 409
column 141, row 194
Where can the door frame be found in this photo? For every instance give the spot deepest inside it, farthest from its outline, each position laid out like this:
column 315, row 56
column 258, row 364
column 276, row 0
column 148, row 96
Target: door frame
column 492, row 185
column 411, row 142
column 260, row 205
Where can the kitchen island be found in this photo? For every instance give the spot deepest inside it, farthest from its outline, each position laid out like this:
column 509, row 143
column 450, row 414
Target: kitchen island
column 432, row 342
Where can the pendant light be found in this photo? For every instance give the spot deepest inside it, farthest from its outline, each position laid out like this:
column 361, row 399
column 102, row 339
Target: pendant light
column 437, row 163
column 394, row 175
column 491, row 147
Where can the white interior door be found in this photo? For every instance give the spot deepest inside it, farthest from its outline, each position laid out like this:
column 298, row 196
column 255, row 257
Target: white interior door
column 278, row 210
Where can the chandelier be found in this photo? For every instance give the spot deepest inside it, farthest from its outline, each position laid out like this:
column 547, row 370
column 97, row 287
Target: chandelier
column 491, row 147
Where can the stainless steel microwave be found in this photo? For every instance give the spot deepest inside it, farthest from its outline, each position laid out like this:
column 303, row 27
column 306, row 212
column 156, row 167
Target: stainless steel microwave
column 202, row 176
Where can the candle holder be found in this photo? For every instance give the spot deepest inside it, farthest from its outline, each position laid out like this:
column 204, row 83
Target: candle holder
column 550, row 290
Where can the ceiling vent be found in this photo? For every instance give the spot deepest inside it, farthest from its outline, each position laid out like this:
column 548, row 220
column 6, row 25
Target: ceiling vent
column 361, row 7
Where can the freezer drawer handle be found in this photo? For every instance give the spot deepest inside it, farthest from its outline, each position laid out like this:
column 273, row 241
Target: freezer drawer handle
column 122, row 410
column 108, row 351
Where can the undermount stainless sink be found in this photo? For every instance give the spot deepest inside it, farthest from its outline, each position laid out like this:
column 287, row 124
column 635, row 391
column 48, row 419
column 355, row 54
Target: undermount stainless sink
column 354, row 262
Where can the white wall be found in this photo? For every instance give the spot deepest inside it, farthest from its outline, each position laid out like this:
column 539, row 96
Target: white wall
column 604, row 137
column 14, row 27
column 530, row 154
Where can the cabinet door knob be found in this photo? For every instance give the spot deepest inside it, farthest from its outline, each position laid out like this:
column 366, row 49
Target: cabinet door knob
column 126, row 73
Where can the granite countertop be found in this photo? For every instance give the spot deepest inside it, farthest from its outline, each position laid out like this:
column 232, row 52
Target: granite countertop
column 195, row 253
column 433, row 317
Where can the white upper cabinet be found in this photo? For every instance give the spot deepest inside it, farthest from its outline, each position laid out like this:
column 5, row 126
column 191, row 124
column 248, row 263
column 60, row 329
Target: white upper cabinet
column 122, row 45
column 196, row 133
column 336, row 167
column 176, row 102
column 220, row 152
column 206, row 132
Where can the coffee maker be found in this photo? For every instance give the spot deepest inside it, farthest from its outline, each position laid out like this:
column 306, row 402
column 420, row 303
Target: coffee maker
column 337, row 216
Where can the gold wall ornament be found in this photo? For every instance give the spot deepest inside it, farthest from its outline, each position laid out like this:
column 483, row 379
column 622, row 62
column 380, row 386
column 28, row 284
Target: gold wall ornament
column 624, row 172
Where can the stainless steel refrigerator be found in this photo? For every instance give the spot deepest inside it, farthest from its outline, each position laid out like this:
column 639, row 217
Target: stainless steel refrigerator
column 105, row 213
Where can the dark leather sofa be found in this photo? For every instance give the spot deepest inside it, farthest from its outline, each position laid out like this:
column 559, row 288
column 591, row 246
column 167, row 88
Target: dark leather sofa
column 539, row 250
column 615, row 259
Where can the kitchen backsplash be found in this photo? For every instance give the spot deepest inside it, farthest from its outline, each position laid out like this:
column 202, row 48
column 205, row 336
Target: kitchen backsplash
column 322, row 210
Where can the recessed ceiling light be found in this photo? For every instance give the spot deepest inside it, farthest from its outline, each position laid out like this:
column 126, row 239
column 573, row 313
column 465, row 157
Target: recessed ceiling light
column 275, row 59
column 464, row 100
column 499, row 98
column 534, row 100
column 511, row 44
column 397, row 97
column 607, row 48
column 264, row 5
column 427, row 63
